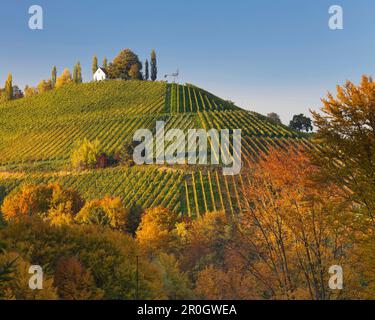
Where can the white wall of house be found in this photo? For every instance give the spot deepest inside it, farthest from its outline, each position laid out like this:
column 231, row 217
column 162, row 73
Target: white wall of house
column 99, row 75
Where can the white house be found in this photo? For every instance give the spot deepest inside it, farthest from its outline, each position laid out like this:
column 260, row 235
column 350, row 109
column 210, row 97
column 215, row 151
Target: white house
column 100, row 74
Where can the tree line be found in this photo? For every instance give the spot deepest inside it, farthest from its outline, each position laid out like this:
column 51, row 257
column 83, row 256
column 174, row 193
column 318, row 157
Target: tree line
column 126, row 66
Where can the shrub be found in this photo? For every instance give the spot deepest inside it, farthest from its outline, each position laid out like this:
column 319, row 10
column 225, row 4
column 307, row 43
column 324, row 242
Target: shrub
column 85, row 155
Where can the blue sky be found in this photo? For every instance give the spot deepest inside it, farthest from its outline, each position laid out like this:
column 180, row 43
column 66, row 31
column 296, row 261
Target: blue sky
column 266, row 55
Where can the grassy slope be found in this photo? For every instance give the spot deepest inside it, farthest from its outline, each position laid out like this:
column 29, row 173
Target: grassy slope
column 38, row 133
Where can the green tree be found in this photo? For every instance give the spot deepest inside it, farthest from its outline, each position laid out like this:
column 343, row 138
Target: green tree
column 154, row 68
column 301, row 123
column 77, row 73
column 147, row 72
column 54, row 76
column 9, row 87
column 94, row 64
column 105, row 63
column 125, row 66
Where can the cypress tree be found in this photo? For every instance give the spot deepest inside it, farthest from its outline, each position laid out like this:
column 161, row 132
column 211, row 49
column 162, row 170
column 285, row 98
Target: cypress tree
column 79, row 73
column 75, row 74
column 54, row 76
column 94, row 64
column 147, row 73
column 105, row 63
column 9, row 87
column 154, row 68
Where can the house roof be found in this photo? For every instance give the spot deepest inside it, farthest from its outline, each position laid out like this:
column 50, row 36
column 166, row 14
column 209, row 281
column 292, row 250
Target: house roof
column 104, row 70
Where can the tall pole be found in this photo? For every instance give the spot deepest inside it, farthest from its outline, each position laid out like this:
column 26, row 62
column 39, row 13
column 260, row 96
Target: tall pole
column 137, row 284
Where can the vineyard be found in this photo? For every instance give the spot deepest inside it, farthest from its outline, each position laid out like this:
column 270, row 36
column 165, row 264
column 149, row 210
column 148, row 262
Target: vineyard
column 189, row 98
column 37, row 135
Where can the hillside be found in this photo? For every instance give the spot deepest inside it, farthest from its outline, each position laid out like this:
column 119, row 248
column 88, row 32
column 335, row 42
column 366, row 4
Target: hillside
column 37, row 135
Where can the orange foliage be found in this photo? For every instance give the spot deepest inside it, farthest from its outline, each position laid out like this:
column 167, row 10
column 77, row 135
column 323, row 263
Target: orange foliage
column 33, row 200
column 292, row 228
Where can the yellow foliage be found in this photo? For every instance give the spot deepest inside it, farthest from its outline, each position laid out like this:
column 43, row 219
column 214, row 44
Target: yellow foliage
column 107, row 211
column 44, row 86
column 157, row 229
column 64, row 79
column 85, row 154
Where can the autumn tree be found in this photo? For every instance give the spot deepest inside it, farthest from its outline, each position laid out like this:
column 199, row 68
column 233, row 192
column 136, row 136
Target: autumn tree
column 105, row 63
column 29, row 200
column 125, row 66
column 154, row 68
column 44, row 86
column 9, row 87
column 289, row 236
column 301, row 123
column 134, row 72
column 106, row 212
column 30, row 91
column 346, row 134
column 74, row 282
column 85, row 154
column 17, row 288
column 37, row 200
column 94, row 67
column 157, row 230
column 346, row 130
column 204, row 240
column 109, row 255
column 64, row 206
column 176, row 283
column 64, row 79
column 215, row 283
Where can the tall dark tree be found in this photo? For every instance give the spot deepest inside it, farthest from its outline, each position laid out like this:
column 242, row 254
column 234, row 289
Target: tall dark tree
column 301, row 123
column 147, row 72
column 125, row 66
column 54, row 76
column 105, row 63
column 154, row 68
column 94, row 67
column 9, row 87
column 75, row 72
